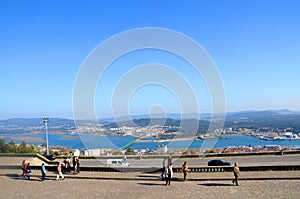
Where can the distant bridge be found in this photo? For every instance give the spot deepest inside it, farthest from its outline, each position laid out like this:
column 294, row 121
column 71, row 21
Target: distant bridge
column 126, row 146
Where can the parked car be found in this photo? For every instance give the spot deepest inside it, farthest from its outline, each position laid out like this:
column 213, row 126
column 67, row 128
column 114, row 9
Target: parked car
column 218, row 162
column 117, row 162
column 51, row 157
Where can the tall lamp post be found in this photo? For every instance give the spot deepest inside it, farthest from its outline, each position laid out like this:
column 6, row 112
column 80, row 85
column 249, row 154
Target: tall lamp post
column 45, row 121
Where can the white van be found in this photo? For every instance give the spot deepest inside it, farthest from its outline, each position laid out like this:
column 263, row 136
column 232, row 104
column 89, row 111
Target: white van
column 117, row 162
column 76, row 152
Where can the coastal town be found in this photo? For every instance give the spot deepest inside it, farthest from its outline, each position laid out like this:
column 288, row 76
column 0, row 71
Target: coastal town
column 161, row 135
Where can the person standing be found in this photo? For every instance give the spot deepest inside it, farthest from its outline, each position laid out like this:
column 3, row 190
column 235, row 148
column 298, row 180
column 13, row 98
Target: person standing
column 236, row 173
column 27, row 171
column 75, row 164
column 165, row 164
column 78, row 164
column 185, row 169
column 170, row 160
column 169, row 174
column 59, row 172
column 23, row 168
column 43, row 170
column 67, row 164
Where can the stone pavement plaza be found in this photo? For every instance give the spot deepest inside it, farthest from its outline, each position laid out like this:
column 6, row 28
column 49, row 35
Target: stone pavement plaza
column 148, row 186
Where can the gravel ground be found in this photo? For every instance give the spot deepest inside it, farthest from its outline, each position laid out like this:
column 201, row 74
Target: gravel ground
column 12, row 186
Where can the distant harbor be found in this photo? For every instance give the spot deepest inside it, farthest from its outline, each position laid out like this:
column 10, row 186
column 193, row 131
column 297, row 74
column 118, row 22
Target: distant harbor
column 282, row 136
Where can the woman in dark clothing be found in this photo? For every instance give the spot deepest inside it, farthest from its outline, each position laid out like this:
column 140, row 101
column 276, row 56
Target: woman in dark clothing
column 185, row 169
column 78, row 165
column 169, row 174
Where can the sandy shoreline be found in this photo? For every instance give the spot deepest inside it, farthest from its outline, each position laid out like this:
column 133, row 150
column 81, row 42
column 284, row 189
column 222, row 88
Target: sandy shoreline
column 26, row 139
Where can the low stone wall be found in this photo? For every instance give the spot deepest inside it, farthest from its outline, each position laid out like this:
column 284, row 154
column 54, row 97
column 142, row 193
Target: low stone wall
column 191, row 156
column 175, row 169
column 159, row 170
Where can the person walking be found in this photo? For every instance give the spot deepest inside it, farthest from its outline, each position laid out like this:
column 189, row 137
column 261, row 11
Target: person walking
column 43, row 170
column 169, row 174
column 165, row 164
column 236, row 173
column 59, row 172
column 185, row 169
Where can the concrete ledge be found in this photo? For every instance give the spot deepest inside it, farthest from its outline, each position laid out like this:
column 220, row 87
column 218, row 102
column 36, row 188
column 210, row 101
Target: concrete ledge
column 183, row 156
column 17, row 155
column 159, row 170
column 163, row 156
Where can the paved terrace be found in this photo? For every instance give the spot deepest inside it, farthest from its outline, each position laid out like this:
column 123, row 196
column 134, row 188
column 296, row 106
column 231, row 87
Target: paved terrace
column 140, row 185
column 267, row 184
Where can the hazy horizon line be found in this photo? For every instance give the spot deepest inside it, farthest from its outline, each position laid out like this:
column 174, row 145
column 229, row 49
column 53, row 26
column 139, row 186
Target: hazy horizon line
column 155, row 114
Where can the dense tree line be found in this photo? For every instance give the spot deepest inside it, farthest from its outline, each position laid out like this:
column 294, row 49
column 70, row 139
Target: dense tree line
column 12, row 147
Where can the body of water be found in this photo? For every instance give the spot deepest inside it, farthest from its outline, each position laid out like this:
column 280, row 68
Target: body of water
column 88, row 141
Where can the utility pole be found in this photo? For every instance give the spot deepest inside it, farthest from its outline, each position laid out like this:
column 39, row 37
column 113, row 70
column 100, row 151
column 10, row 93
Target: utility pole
column 45, row 121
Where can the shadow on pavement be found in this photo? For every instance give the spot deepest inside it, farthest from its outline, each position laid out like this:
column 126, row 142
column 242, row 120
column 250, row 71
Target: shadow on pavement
column 35, row 180
column 15, row 176
column 148, row 176
column 215, row 185
column 151, row 184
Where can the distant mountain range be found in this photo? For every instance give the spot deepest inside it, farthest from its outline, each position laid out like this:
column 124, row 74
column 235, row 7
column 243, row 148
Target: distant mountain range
column 29, row 122
column 250, row 114
column 249, row 119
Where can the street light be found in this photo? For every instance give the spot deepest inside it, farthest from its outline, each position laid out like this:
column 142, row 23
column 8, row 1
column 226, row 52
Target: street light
column 45, row 121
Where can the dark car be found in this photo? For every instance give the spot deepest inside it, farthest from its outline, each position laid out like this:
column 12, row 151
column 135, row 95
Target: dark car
column 218, row 162
column 51, row 157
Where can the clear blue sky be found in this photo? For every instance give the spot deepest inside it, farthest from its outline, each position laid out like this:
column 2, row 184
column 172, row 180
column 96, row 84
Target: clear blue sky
column 255, row 45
